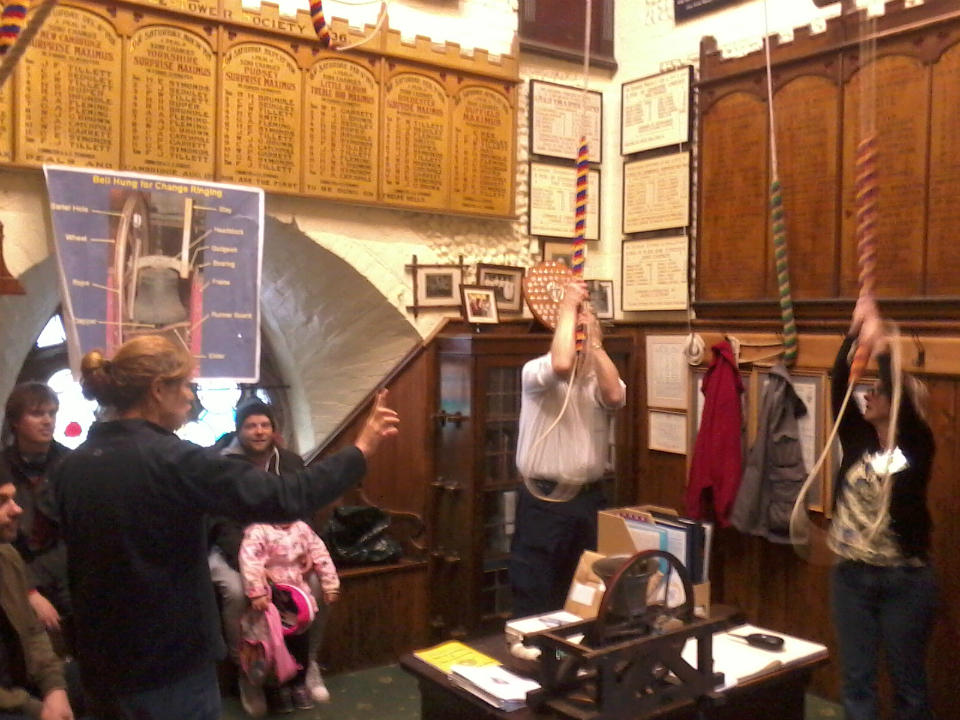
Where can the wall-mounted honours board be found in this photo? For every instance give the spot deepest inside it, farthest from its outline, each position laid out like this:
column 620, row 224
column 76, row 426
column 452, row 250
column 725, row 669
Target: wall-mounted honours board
column 828, row 96
column 212, row 90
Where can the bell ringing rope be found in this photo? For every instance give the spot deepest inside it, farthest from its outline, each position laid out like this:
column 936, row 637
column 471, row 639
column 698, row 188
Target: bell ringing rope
column 865, row 187
column 319, row 22
column 16, row 33
column 778, row 228
column 583, row 171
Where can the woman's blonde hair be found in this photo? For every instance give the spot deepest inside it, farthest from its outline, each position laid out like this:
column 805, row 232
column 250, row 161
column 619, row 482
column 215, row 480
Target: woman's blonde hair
column 124, row 381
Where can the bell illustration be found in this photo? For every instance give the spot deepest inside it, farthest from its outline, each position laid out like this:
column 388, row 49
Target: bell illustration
column 158, row 297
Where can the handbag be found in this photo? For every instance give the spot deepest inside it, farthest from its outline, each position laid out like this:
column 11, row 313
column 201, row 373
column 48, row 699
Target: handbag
column 356, row 535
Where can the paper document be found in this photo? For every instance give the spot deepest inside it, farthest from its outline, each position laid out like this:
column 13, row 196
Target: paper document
column 739, row 661
column 445, row 655
column 494, row 684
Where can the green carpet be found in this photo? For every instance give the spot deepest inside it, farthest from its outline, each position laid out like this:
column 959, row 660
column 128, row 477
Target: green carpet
column 389, row 693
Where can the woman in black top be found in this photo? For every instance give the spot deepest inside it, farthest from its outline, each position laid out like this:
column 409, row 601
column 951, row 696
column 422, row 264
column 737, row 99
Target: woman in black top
column 884, row 590
column 132, row 501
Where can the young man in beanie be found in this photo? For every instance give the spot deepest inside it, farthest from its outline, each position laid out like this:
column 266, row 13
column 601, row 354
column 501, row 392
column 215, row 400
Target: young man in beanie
column 255, row 442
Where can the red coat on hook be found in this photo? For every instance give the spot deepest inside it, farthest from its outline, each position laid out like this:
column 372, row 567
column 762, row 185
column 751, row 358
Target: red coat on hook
column 717, row 461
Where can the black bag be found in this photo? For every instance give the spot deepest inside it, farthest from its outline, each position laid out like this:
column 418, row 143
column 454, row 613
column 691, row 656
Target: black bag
column 356, row 535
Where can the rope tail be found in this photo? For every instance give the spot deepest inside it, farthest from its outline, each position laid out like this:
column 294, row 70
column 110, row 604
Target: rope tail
column 15, row 37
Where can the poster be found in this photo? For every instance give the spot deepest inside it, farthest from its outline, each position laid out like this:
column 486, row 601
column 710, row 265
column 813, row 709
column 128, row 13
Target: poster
column 560, row 115
column 553, row 202
column 147, row 254
column 666, row 372
column 656, row 193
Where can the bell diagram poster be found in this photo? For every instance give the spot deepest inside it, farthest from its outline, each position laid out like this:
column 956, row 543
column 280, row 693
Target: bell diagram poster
column 152, row 255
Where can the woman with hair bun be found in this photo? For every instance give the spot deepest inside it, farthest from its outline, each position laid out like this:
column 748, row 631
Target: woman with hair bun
column 133, row 500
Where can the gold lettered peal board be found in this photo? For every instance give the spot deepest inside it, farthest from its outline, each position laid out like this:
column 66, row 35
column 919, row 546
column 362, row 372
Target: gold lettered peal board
column 483, row 154
column 342, row 128
column 170, row 99
column 415, row 138
column 260, row 116
column 68, row 92
column 6, row 123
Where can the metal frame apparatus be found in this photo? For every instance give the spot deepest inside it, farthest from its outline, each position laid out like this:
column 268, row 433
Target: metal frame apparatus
column 629, row 666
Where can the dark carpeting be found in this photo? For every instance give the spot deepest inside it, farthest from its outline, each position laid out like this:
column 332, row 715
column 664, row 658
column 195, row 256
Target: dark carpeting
column 389, row 693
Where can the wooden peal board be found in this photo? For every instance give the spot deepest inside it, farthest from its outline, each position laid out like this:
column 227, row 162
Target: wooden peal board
column 943, row 250
column 806, row 113
column 902, row 93
column 732, row 254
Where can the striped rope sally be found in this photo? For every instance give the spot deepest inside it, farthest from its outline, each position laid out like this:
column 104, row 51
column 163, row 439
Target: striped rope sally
column 319, row 22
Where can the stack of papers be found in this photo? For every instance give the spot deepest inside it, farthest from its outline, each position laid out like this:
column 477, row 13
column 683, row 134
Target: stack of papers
column 494, row 684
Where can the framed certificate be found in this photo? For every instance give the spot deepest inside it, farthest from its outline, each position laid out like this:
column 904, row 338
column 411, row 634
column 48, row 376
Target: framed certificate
column 553, row 201
column 654, row 274
column 560, row 115
column 667, row 431
column 656, row 193
column 655, row 111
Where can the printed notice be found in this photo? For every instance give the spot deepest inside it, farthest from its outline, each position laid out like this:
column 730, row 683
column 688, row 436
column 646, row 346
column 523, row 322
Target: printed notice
column 666, row 372
column 655, row 274
column 656, row 193
column 655, row 111
column 553, row 201
column 560, row 116
column 161, row 255
column 667, row 432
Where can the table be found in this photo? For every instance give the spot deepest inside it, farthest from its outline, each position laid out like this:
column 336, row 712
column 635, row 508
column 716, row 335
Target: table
column 779, row 694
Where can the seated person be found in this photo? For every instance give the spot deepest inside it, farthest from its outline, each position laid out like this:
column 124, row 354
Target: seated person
column 32, row 683
column 31, row 414
column 255, row 442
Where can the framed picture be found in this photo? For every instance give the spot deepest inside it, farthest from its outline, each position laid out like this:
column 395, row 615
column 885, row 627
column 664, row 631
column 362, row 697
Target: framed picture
column 553, row 202
column 558, row 251
column 667, row 431
column 507, row 283
column 479, row 304
column 601, row 298
column 437, row 285
column 559, row 115
column 655, row 111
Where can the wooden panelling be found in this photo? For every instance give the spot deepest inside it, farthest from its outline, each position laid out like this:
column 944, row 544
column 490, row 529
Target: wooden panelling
column 732, row 252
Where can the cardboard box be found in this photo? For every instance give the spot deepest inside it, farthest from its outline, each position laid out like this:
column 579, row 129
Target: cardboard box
column 614, row 539
column 583, row 602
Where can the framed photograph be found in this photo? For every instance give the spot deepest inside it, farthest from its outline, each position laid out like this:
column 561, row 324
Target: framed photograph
column 558, row 251
column 479, row 304
column 655, row 111
column 507, row 284
column 437, row 285
column 555, row 121
column 601, row 298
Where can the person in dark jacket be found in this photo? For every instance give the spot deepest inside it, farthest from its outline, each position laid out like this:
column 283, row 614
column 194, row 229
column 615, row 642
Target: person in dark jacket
column 255, row 441
column 32, row 683
column 31, row 415
column 133, row 501
column 884, row 590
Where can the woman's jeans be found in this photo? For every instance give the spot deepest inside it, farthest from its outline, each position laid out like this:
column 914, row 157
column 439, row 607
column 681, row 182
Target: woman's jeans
column 195, row 697
column 892, row 608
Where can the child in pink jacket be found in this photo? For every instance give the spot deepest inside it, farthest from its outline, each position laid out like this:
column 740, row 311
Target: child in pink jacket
column 287, row 553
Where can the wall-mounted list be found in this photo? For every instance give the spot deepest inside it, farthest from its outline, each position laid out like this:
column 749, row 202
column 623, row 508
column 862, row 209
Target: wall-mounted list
column 482, row 151
column 171, row 86
column 416, row 129
column 68, row 109
column 260, row 105
column 343, row 130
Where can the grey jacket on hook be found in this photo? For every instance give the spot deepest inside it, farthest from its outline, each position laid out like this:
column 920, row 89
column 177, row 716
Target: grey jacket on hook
column 774, row 471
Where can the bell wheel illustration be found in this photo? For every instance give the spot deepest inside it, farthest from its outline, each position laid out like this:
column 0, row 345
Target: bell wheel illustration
column 154, row 280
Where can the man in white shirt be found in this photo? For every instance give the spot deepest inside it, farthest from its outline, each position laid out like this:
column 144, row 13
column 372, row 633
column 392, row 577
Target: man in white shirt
column 562, row 452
